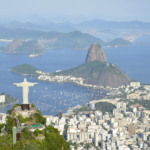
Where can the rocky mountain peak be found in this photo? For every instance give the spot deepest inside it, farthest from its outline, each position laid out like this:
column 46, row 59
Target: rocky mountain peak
column 96, row 53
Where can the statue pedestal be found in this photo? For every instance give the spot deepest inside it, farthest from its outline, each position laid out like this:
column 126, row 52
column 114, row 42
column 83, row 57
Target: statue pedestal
column 25, row 106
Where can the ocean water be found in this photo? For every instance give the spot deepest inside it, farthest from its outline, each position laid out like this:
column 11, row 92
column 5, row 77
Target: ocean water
column 133, row 59
column 47, row 97
column 51, row 97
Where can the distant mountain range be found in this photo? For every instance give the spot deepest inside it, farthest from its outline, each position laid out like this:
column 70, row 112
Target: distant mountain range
column 112, row 24
column 36, row 42
column 69, row 27
column 28, row 47
column 66, row 35
column 106, row 30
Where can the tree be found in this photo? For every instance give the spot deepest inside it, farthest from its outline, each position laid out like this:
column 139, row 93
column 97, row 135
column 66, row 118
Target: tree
column 1, row 126
column 10, row 122
column 54, row 140
column 6, row 142
column 36, row 132
column 104, row 107
column 39, row 118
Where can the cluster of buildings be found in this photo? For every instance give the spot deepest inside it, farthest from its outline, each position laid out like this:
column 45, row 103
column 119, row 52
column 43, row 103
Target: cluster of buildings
column 138, row 92
column 57, row 122
column 119, row 130
column 133, row 91
column 62, row 78
column 123, row 129
column 2, row 118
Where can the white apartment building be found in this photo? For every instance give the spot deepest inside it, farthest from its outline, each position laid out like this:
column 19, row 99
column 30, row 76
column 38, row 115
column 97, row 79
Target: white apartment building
column 135, row 85
column 2, row 98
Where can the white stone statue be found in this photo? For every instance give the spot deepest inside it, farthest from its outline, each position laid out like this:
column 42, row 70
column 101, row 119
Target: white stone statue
column 25, row 91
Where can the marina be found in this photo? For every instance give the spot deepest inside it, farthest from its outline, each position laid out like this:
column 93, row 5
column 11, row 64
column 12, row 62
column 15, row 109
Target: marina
column 49, row 97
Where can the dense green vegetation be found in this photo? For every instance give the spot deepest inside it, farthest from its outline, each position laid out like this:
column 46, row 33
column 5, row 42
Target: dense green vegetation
column 37, row 132
column 86, row 146
column 10, row 110
column 54, row 141
column 122, row 96
column 23, row 120
column 104, row 107
column 6, row 142
column 1, row 126
column 144, row 103
column 25, row 69
column 39, row 118
column 16, row 105
column 51, row 139
column 82, row 109
column 98, row 73
column 10, row 122
column 91, row 68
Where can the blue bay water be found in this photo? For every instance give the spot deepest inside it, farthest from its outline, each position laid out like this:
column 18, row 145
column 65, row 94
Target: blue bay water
column 51, row 97
column 133, row 59
column 47, row 97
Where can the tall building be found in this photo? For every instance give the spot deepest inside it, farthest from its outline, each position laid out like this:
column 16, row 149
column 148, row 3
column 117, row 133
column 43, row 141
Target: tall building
column 132, row 129
column 135, row 85
column 14, row 135
column 59, row 114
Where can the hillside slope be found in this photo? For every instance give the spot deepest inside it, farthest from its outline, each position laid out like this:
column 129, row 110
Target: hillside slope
column 98, row 73
column 25, row 69
column 21, row 46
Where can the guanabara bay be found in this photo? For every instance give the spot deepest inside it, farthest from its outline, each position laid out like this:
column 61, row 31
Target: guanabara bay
column 74, row 75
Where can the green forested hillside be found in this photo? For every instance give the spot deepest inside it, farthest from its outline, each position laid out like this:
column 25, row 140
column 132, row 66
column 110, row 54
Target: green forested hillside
column 51, row 139
column 25, row 69
column 98, row 73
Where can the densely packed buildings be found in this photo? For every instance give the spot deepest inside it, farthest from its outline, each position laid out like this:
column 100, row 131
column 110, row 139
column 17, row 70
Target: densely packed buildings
column 119, row 130
column 126, row 127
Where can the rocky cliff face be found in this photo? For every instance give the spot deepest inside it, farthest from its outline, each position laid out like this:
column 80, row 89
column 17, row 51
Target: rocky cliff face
column 28, row 47
column 97, row 71
column 96, row 53
column 11, row 48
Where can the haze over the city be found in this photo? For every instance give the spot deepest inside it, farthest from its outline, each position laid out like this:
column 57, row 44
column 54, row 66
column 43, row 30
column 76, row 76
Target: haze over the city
column 75, row 10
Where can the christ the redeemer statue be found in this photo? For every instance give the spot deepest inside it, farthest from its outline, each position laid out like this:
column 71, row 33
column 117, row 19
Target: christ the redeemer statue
column 25, row 89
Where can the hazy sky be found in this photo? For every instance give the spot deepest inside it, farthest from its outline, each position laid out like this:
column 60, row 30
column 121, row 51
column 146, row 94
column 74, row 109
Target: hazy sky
column 101, row 9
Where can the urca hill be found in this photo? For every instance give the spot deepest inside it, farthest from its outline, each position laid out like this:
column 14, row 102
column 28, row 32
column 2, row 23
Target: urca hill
column 97, row 70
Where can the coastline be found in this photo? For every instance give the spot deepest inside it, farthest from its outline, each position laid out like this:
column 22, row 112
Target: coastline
column 10, row 103
column 67, row 79
column 24, row 74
